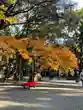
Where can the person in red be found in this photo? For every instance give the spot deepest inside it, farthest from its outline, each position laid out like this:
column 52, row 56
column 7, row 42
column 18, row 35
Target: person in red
column 30, row 83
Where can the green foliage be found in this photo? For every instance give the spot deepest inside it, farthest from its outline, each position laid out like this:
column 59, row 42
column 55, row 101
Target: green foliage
column 2, row 9
column 79, row 12
column 11, row 1
column 49, row 28
column 2, row 16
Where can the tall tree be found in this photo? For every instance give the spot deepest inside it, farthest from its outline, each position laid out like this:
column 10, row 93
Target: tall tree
column 49, row 16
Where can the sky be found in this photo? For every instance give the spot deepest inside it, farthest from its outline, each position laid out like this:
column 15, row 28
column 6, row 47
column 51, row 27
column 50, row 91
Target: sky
column 80, row 3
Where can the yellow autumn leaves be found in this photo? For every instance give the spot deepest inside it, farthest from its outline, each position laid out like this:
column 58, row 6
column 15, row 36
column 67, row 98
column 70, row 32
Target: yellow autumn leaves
column 11, row 19
column 3, row 9
column 25, row 55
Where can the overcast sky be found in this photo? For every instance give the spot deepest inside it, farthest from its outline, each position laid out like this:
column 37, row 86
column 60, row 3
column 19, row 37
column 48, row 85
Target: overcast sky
column 80, row 3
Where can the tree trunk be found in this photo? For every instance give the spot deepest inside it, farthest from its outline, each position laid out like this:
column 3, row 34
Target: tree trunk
column 20, row 69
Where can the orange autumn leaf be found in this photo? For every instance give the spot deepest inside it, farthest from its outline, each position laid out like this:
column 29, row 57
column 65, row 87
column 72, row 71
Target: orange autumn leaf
column 24, row 54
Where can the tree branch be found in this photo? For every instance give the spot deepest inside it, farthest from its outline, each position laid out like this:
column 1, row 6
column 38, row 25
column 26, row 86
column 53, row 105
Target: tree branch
column 14, row 5
column 17, row 23
column 32, row 7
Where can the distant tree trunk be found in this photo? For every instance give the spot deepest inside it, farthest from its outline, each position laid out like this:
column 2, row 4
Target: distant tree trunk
column 31, row 74
column 33, row 69
column 20, row 69
column 17, row 66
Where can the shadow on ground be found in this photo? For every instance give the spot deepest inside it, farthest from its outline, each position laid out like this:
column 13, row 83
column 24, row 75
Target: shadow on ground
column 21, row 99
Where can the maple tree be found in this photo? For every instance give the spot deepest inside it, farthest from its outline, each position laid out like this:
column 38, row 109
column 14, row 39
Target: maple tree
column 54, row 57
column 44, row 56
column 62, row 58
